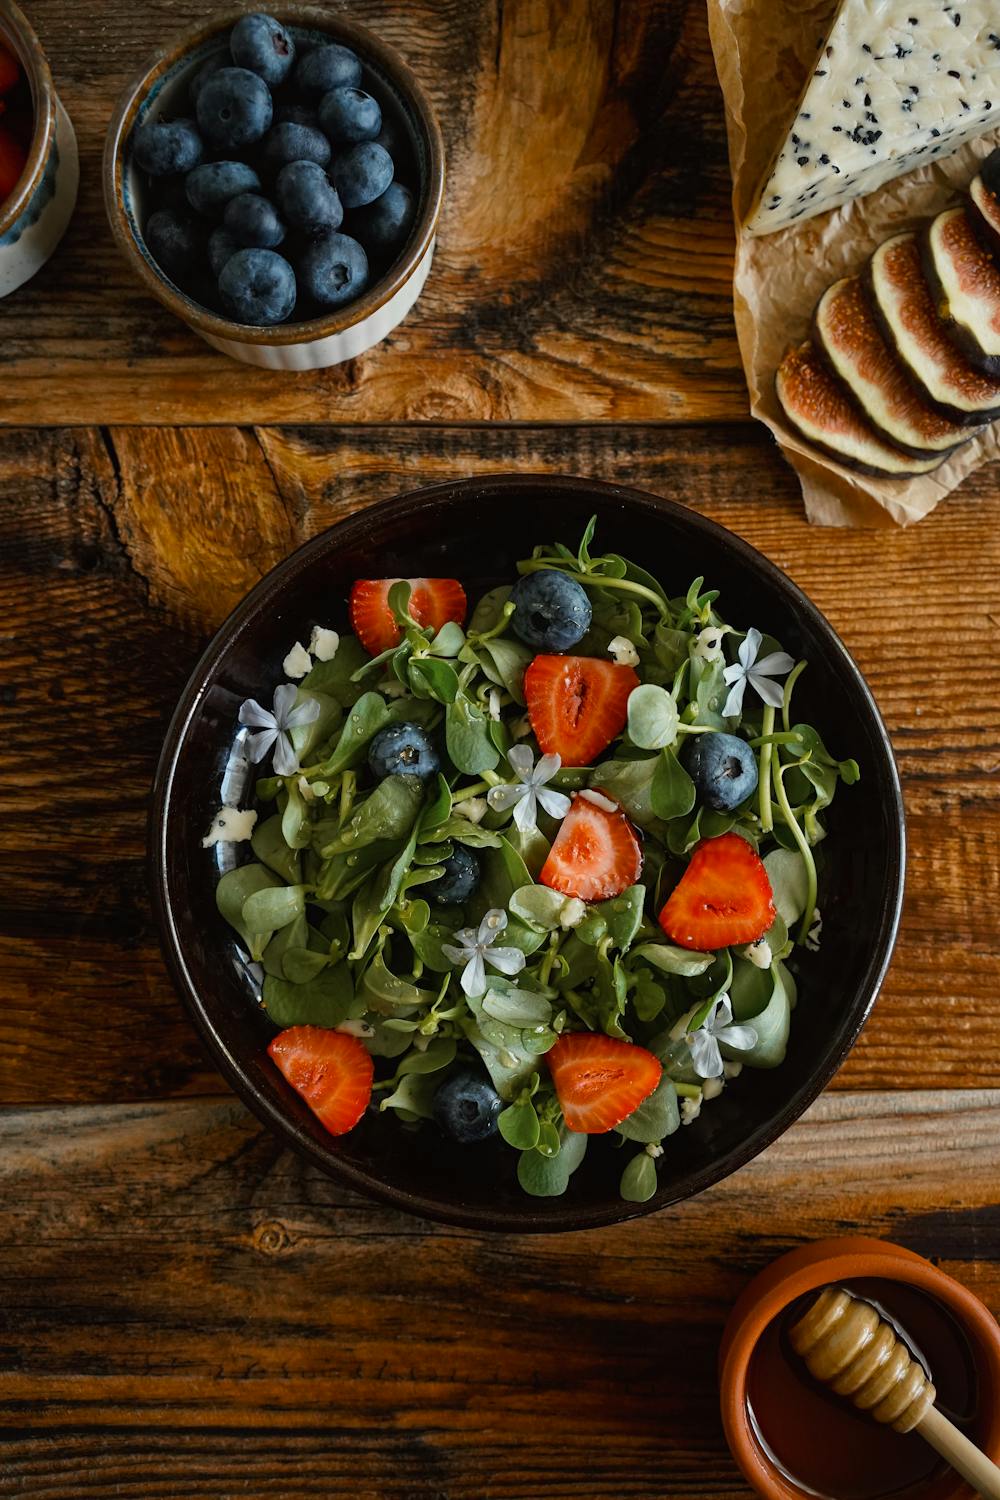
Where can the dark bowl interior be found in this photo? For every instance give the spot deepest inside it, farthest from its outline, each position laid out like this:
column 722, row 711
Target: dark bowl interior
column 475, row 530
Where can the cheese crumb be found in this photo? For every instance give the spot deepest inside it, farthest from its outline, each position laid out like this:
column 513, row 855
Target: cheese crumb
column 323, row 643
column 623, row 651
column 230, row 826
column 599, row 800
column 690, row 1110
column 494, row 702
column 731, row 1068
column 473, row 808
column 572, row 913
column 393, row 688
column 759, row 954
column 297, row 663
column 356, row 1028
column 654, row 1150
column 712, row 1087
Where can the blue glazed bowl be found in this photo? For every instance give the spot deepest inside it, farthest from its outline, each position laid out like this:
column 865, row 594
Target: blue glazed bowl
column 34, row 217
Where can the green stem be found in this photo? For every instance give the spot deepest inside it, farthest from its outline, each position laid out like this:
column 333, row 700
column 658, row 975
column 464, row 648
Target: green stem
column 779, row 738
column 790, row 682
column 696, row 729
column 767, row 751
column 804, row 850
column 475, row 790
column 476, row 637
column 596, row 581
column 688, row 1090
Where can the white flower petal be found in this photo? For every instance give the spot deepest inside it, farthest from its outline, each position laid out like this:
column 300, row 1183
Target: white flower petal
column 306, row 712
column 256, row 717
column 706, row 1059
column 284, row 699
column 547, row 767
column 503, row 797
column 721, row 1014
column 456, row 955
column 556, row 804
column 734, row 703
column 749, row 647
column 467, row 938
column 491, row 927
column 286, row 762
column 735, row 673
column 259, row 744
column 740, row 1038
column 521, row 759
column 474, row 977
column 778, row 664
column 507, row 960
column 771, row 693
column 526, row 811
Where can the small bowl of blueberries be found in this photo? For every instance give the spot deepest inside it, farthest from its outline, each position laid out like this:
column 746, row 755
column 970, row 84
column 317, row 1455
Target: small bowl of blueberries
column 275, row 180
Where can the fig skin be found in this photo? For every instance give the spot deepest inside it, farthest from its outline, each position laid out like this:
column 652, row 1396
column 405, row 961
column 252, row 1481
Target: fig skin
column 961, row 334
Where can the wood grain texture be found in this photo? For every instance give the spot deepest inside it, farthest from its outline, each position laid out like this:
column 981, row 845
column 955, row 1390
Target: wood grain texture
column 191, row 1311
column 584, row 257
column 120, row 552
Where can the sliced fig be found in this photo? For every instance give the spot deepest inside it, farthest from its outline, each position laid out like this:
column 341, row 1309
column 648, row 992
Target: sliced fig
column 965, row 285
column 848, row 334
column 984, row 211
column 817, row 406
column 908, row 317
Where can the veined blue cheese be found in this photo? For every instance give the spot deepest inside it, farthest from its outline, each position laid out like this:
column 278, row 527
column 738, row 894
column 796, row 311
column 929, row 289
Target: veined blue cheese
column 897, row 83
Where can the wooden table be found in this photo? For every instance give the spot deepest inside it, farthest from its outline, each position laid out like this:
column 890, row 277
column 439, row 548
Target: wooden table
column 185, row 1309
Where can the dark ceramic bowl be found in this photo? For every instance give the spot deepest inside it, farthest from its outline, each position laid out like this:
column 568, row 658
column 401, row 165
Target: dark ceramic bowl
column 475, row 530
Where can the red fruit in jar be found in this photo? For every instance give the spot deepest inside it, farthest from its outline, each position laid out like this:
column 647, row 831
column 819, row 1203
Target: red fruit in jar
column 12, row 159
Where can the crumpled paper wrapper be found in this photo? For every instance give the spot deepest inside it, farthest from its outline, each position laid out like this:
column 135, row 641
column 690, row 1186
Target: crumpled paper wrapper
column 764, row 50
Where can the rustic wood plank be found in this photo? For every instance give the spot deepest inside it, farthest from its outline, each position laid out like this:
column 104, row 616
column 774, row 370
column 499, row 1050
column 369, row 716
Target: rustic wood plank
column 188, row 1309
column 584, row 259
column 119, row 553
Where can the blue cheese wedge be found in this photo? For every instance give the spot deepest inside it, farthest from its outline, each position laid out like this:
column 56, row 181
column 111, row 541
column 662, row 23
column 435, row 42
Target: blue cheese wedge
column 897, row 83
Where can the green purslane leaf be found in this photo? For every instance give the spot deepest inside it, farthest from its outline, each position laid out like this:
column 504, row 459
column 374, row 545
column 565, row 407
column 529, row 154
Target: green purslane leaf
column 388, row 812
column 431, row 678
column 467, row 736
column 652, row 717
column 326, row 1000
column 630, row 784
column 672, row 793
column 335, row 676
column 670, row 960
column 548, row 1176
column 517, row 1007
column 638, row 1181
column 269, row 845
column 231, row 893
column 368, row 715
column 786, row 870
column 519, row 1125
column 272, row 907
column 413, row 1097
column 542, row 907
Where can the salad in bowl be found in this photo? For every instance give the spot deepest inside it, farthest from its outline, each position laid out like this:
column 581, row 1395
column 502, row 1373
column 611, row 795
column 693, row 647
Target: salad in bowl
column 532, row 866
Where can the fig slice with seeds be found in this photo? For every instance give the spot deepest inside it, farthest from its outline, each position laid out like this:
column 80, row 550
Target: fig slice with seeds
column 909, row 319
column 965, row 284
column 848, row 335
column 819, row 409
column 984, row 211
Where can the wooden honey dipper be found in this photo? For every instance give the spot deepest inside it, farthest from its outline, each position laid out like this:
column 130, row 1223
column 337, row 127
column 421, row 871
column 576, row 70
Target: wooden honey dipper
column 850, row 1348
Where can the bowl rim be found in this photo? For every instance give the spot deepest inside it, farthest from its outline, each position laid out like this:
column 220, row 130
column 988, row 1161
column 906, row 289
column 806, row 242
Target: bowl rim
column 560, row 1215
column 212, row 325
column 16, row 26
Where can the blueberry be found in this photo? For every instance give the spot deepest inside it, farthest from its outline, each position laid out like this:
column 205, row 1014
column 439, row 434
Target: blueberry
column 234, row 109
column 258, row 287
column 221, row 247
column 175, row 243
column 723, row 769
column 203, row 74
column 383, row 225
column 552, row 611
column 402, row 750
column 306, row 198
column 253, row 220
column 296, row 114
column 392, row 138
column 334, row 270
column 289, row 141
column 467, row 1107
column 349, row 114
column 210, row 186
column 362, row 173
column 262, row 45
column 326, row 68
column 165, row 146
column 460, row 878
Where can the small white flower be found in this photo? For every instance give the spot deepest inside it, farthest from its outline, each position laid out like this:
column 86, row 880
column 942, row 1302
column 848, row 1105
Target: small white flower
column 690, row 1110
column 757, row 673
column 273, row 727
column 654, row 1150
column 529, row 791
column 356, row 1028
column 706, row 1059
column 323, row 643
column 815, row 933
column 475, row 949
column 623, row 650
column 229, row 826
column 298, row 661
column 712, row 1087
column 473, row 808
column 707, row 644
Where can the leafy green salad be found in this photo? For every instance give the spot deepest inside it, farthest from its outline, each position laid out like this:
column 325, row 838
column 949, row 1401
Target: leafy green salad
column 533, row 872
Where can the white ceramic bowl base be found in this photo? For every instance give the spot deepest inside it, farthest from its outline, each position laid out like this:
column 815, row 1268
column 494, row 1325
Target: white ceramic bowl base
column 30, row 241
column 317, row 354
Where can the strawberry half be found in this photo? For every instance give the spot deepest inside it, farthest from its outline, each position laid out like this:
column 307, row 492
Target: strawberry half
column 331, row 1070
column 596, row 853
column 600, row 1080
column 577, row 705
column 724, row 896
column 433, row 601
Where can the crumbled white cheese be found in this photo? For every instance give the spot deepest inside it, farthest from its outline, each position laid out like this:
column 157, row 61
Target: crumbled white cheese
column 654, row 1150
column 690, row 1110
column 731, row 1068
column 521, row 728
column 815, row 933
column 473, row 808
column 493, row 698
column 323, row 643
column 230, row 826
column 759, row 954
column 573, row 913
column 623, row 651
column 599, row 800
column 707, row 644
column 356, row 1028
column 393, row 688
column 893, row 87
column 297, row 663
column 712, row 1088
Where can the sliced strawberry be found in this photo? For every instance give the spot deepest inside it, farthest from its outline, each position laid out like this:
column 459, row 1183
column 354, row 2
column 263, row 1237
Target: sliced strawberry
column 724, row 896
column 596, row 853
column 12, row 159
column 331, row 1070
column 600, row 1080
column 433, row 601
column 577, row 705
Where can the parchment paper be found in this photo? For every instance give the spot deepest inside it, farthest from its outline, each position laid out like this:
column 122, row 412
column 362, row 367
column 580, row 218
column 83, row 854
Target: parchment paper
column 764, row 50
